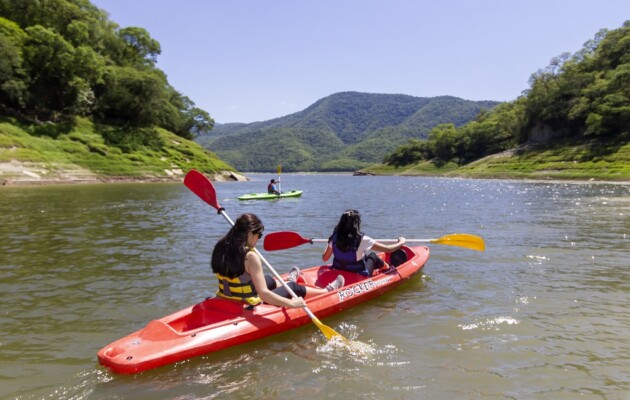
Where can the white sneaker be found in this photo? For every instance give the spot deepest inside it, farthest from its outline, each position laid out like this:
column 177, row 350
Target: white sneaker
column 336, row 284
column 294, row 273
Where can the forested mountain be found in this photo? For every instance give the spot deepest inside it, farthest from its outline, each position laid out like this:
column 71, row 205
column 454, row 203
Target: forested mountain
column 80, row 93
column 344, row 131
column 581, row 98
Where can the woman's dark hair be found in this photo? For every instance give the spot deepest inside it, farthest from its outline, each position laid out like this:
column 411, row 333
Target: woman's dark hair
column 348, row 230
column 228, row 256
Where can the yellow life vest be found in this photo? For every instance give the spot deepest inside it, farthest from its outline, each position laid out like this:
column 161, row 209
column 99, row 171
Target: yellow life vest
column 236, row 289
column 240, row 288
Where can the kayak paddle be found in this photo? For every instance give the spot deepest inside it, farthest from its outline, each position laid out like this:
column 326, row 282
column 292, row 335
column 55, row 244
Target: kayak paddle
column 202, row 187
column 287, row 239
column 279, row 182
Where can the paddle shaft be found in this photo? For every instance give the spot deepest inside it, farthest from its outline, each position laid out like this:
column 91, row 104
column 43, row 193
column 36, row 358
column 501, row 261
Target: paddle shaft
column 476, row 244
column 273, row 271
column 385, row 240
column 279, row 181
column 287, row 239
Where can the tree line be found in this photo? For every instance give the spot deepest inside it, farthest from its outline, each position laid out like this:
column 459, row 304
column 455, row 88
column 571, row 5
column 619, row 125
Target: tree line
column 581, row 95
column 65, row 58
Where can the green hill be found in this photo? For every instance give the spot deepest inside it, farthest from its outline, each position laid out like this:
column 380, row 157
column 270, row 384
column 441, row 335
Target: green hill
column 561, row 159
column 81, row 154
column 573, row 123
column 342, row 132
column 81, row 99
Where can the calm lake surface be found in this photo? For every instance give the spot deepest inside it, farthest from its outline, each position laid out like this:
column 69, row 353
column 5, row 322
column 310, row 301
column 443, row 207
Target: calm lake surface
column 544, row 313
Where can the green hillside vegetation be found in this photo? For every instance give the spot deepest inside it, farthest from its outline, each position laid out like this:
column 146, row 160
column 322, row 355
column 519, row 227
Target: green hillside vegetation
column 573, row 122
column 63, row 63
column 81, row 153
column 571, row 159
column 341, row 132
column 575, row 159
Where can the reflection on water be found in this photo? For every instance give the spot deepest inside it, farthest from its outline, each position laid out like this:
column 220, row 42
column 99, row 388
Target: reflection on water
column 543, row 313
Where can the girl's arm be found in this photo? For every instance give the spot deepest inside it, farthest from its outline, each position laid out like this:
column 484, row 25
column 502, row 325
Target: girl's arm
column 254, row 268
column 388, row 248
column 327, row 252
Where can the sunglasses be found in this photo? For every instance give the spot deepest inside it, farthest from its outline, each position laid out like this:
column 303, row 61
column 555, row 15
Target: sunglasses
column 260, row 234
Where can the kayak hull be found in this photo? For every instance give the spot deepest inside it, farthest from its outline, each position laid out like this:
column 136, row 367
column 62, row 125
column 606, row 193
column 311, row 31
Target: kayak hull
column 215, row 323
column 271, row 196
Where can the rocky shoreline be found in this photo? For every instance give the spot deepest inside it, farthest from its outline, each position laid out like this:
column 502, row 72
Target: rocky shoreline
column 16, row 173
column 24, row 174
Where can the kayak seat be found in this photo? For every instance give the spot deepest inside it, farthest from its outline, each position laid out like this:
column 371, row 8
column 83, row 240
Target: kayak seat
column 327, row 275
column 211, row 311
column 398, row 257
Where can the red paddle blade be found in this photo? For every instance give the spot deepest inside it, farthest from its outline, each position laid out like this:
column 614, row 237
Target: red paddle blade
column 283, row 240
column 202, row 187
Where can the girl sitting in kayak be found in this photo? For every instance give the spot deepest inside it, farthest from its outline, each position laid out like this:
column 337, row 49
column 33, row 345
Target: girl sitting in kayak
column 240, row 274
column 352, row 249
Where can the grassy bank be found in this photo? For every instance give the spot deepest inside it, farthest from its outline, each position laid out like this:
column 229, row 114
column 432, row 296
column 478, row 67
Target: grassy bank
column 566, row 159
column 79, row 152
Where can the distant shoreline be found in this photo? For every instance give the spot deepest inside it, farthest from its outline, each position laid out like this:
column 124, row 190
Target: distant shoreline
column 31, row 174
column 231, row 176
column 52, row 182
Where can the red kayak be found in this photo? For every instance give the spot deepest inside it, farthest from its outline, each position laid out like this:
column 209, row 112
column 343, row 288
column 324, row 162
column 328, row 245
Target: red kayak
column 217, row 323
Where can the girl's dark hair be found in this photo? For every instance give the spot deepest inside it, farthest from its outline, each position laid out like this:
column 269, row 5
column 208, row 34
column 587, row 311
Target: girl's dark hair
column 228, row 256
column 348, row 230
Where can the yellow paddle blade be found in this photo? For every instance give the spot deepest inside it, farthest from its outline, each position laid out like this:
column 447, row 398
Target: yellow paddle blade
column 326, row 330
column 279, row 168
column 462, row 240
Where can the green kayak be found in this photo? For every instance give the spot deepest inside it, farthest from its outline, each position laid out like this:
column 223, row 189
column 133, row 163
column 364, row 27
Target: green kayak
column 270, row 196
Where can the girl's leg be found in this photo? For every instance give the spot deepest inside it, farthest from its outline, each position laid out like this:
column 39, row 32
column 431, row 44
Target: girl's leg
column 297, row 289
column 372, row 262
column 271, row 283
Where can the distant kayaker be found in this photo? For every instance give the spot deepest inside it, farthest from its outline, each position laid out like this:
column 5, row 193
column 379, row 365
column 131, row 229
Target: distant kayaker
column 271, row 188
column 240, row 274
column 352, row 250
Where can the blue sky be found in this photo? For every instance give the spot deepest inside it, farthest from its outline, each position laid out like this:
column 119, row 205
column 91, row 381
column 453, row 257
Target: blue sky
column 254, row 60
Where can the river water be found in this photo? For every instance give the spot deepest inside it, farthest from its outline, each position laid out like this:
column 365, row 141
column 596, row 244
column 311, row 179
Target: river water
column 544, row 313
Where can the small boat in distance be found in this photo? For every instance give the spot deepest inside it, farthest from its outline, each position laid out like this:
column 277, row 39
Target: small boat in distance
column 270, row 196
column 272, row 191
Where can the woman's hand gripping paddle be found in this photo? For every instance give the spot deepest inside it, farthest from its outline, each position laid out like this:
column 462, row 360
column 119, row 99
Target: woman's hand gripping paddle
column 202, row 187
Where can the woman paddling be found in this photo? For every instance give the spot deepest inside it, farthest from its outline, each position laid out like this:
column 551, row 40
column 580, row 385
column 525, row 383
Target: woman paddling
column 271, row 187
column 240, row 274
column 352, row 249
